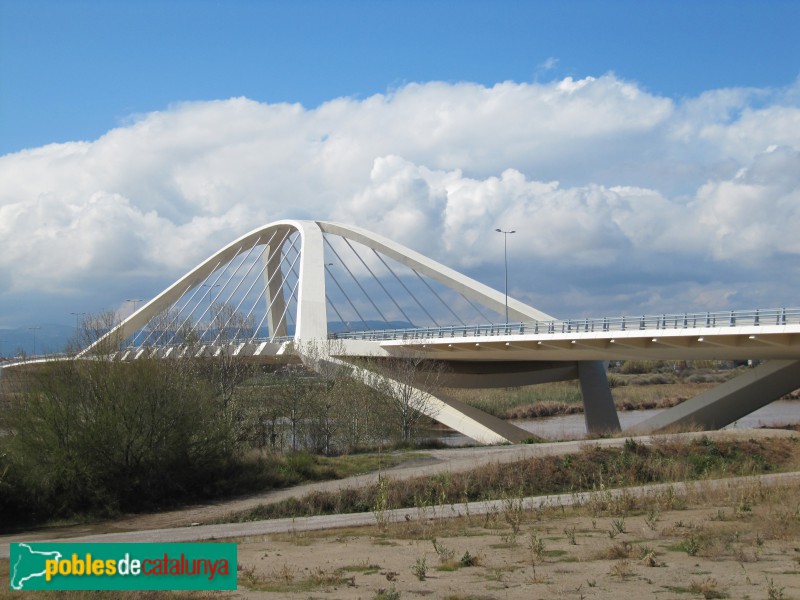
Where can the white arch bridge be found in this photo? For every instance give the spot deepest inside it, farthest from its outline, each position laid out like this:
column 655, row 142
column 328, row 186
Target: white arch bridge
column 288, row 289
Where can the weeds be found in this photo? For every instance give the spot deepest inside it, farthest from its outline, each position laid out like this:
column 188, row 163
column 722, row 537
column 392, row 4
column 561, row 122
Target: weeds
column 773, row 591
column 444, row 553
column 593, row 468
column 622, row 569
column 570, row 533
column 652, row 518
column 467, row 560
column 390, row 594
column 691, row 546
column 536, row 545
column 708, row 588
column 420, row 569
column 618, row 525
column 381, row 505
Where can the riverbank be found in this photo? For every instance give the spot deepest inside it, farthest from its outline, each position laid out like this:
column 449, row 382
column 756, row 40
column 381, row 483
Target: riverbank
column 714, row 539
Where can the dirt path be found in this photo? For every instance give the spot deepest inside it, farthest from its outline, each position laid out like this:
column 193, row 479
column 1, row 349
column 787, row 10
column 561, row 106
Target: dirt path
column 437, row 461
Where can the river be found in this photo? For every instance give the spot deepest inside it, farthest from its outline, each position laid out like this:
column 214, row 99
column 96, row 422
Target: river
column 572, row 427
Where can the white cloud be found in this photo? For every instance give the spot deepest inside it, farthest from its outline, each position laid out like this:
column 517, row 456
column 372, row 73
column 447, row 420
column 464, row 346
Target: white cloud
column 597, row 176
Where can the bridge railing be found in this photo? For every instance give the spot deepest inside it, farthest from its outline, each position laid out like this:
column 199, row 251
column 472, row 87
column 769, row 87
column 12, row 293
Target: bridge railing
column 706, row 320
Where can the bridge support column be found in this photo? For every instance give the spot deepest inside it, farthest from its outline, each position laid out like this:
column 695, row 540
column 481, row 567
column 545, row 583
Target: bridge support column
column 598, row 405
column 731, row 400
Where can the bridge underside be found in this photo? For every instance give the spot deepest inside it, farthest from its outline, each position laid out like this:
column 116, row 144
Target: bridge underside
column 713, row 409
column 730, row 401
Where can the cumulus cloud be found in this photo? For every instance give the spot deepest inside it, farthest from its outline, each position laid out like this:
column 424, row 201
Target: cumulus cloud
column 624, row 201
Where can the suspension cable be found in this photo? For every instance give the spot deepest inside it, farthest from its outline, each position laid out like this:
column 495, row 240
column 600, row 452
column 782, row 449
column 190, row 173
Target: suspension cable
column 380, row 283
column 410, row 293
column 358, row 283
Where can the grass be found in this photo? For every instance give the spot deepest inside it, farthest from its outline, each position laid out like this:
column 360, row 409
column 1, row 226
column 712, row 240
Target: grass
column 639, row 563
column 564, row 398
column 592, row 468
column 637, row 385
column 266, row 471
column 287, row 579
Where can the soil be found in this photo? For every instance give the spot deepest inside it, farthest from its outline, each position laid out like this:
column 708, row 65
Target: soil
column 712, row 552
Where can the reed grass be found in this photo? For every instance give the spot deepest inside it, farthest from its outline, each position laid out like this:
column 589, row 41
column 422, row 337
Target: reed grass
column 590, row 469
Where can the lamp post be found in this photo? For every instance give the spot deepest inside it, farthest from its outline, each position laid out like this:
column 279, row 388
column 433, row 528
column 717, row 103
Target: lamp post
column 78, row 315
column 133, row 301
column 208, row 293
column 34, row 329
column 505, row 260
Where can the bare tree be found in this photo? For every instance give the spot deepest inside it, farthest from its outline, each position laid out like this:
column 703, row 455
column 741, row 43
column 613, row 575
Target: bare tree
column 94, row 334
column 407, row 382
column 230, row 325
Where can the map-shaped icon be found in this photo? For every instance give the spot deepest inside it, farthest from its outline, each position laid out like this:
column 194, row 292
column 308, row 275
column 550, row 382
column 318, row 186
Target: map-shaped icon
column 29, row 564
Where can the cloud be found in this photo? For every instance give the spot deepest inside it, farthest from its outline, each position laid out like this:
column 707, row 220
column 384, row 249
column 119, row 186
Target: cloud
column 623, row 200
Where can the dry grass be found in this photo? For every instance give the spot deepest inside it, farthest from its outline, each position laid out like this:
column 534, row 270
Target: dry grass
column 742, row 540
column 593, row 468
column 673, row 542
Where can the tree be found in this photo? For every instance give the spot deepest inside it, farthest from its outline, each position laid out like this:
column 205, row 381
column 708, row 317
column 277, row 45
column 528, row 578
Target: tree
column 102, row 436
column 92, row 335
column 407, row 382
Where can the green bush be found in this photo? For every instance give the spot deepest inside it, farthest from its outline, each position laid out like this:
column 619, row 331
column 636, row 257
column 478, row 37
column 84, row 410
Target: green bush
column 100, row 437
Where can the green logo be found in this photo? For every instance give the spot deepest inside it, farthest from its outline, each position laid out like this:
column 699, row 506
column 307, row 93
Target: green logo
column 65, row 566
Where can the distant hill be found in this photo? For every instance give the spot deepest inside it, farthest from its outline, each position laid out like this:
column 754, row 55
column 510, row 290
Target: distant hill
column 52, row 339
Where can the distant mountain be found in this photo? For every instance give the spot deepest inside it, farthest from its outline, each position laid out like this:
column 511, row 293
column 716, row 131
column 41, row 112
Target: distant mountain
column 339, row 326
column 49, row 338
column 52, row 339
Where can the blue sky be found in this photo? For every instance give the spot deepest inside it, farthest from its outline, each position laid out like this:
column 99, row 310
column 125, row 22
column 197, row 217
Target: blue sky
column 73, row 69
column 648, row 151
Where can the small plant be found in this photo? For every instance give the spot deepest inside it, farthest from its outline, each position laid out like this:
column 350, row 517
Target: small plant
column 773, row 591
column 444, row 553
column 622, row 569
column 512, row 513
column 691, row 546
column 745, row 506
column 652, row 518
column 621, row 550
column 285, row 574
column 536, row 545
column 390, row 594
column 618, row 525
column 248, row 575
column 468, row 560
column 510, row 539
column 570, row 533
column 706, row 588
column 381, row 507
column 420, row 569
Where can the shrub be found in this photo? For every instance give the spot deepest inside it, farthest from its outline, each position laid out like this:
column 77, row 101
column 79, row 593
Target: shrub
column 102, row 437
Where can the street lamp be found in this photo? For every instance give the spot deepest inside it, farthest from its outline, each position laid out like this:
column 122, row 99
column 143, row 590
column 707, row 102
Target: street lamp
column 78, row 315
column 133, row 301
column 505, row 257
column 34, row 329
column 208, row 293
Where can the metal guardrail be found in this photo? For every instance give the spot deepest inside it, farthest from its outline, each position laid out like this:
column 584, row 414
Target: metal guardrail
column 708, row 320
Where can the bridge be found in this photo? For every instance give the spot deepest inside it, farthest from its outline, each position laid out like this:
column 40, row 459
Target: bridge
column 321, row 293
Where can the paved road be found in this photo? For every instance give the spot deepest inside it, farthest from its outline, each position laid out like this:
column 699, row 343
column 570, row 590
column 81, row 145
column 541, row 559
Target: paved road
column 184, row 525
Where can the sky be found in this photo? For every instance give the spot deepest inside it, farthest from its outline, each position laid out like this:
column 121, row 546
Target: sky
column 647, row 153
